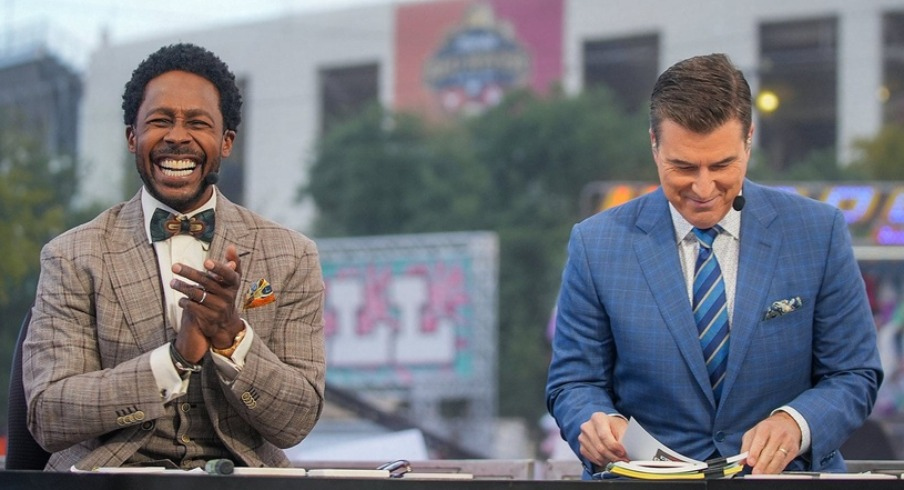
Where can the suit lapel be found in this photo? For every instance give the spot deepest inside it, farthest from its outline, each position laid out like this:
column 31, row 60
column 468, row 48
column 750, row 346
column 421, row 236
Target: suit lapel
column 136, row 278
column 232, row 229
column 757, row 264
column 657, row 254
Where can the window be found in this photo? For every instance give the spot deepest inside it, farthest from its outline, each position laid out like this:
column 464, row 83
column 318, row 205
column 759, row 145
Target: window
column 345, row 91
column 892, row 93
column 232, row 169
column 628, row 66
column 798, row 62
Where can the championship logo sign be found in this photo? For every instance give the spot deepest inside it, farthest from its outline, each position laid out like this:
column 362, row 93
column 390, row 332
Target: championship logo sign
column 477, row 63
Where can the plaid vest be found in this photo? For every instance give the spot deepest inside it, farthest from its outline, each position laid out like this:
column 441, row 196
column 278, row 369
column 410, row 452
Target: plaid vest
column 184, row 435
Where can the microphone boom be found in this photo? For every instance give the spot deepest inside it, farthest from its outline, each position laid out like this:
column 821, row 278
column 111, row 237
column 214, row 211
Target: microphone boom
column 212, row 178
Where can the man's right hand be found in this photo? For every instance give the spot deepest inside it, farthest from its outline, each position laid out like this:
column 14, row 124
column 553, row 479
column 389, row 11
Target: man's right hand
column 191, row 342
column 600, row 439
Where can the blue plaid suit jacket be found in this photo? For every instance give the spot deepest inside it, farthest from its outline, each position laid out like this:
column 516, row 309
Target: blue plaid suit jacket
column 626, row 341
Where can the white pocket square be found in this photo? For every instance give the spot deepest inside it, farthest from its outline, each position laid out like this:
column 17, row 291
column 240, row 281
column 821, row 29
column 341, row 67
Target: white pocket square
column 781, row 307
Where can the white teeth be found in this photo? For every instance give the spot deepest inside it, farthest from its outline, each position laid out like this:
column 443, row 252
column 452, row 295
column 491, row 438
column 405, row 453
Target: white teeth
column 177, row 168
column 176, row 173
column 178, row 164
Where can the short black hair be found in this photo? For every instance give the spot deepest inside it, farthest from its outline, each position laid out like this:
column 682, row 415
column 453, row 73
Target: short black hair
column 190, row 58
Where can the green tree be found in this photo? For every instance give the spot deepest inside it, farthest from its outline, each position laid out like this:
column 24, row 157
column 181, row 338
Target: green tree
column 518, row 169
column 818, row 165
column 882, row 157
column 540, row 153
column 35, row 196
column 378, row 173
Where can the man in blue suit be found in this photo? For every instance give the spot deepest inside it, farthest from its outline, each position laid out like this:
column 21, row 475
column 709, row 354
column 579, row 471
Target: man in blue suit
column 796, row 368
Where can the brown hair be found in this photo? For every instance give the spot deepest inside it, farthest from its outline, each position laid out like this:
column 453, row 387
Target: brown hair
column 701, row 94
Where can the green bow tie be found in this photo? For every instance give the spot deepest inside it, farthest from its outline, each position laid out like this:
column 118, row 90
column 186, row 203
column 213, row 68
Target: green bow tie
column 164, row 225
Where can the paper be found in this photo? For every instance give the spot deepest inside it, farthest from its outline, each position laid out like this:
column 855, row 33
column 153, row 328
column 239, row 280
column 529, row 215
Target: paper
column 802, row 475
column 246, row 470
column 347, row 473
column 641, row 445
column 649, row 459
column 437, row 476
column 121, row 469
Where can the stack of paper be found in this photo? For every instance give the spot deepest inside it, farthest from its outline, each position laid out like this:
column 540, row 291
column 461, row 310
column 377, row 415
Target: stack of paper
column 652, row 460
column 678, row 470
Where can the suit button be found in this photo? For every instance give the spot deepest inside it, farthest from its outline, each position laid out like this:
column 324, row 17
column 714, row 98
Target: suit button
column 120, row 421
column 186, row 439
column 138, row 416
column 147, row 425
column 246, row 397
column 185, row 407
column 720, row 436
column 128, row 419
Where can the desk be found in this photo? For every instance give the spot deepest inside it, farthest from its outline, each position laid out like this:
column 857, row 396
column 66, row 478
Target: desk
column 482, row 469
column 36, row 480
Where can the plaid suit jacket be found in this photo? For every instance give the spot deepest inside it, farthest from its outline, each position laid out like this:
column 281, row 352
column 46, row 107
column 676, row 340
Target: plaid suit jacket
column 99, row 313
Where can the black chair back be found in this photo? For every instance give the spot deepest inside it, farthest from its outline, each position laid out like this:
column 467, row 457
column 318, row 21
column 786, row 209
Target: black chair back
column 22, row 451
column 869, row 442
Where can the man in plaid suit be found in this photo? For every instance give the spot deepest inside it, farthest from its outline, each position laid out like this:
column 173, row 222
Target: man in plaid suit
column 177, row 327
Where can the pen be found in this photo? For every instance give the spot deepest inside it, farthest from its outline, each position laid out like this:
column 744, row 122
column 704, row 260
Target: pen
column 725, row 461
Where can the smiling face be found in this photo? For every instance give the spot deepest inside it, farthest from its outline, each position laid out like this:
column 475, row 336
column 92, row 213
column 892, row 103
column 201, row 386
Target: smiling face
column 178, row 138
column 702, row 173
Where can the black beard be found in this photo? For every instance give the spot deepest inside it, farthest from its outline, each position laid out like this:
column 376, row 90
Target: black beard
column 180, row 205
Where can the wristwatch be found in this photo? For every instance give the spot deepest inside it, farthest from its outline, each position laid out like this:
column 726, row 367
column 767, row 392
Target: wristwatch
column 227, row 352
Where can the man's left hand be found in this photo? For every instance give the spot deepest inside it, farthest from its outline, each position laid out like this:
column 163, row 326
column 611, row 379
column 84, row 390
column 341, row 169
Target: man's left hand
column 772, row 444
column 210, row 302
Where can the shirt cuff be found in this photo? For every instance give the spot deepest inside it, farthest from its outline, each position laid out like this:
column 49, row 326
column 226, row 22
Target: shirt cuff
column 802, row 423
column 229, row 368
column 169, row 383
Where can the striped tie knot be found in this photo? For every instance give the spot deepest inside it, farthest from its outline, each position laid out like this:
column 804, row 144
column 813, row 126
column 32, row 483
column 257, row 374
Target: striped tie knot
column 707, row 236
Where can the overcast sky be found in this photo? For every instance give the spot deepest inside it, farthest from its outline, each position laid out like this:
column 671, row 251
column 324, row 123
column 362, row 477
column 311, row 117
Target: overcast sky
column 81, row 23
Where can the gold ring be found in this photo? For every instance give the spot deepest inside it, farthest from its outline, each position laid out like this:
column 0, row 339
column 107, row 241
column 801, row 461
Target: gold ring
column 783, row 450
column 203, row 297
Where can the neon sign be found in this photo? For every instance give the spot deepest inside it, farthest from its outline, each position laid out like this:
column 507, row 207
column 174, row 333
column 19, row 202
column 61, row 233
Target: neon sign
column 874, row 211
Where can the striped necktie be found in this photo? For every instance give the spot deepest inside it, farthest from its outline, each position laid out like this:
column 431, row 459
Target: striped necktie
column 710, row 310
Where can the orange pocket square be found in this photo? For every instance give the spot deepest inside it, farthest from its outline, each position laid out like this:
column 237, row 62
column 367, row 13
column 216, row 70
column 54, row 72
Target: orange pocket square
column 259, row 294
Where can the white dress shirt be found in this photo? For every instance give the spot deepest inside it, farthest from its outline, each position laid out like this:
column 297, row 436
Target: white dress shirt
column 191, row 252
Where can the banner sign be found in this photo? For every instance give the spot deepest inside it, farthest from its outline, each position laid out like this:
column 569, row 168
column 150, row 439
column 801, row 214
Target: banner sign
column 410, row 309
column 462, row 56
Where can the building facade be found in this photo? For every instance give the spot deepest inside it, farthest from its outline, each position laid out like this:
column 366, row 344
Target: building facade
column 40, row 90
column 833, row 71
